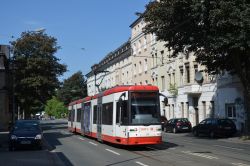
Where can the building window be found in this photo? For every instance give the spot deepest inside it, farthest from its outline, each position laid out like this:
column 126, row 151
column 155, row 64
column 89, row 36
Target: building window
column 181, row 76
column 187, row 73
column 173, row 110
column 187, row 109
column 173, row 74
column 156, row 61
column 169, row 80
column 162, row 57
column 139, row 46
column 134, row 49
column 134, row 69
column 204, row 109
column 182, row 109
column 145, row 64
column 230, row 111
column 140, row 67
column 153, row 60
column 163, row 83
column 145, row 42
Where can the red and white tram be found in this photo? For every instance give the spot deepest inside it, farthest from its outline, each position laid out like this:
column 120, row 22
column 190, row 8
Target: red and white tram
column 127, row 115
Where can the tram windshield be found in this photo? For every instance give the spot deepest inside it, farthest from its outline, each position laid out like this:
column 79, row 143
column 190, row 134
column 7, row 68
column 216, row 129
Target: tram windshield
column 145, row 108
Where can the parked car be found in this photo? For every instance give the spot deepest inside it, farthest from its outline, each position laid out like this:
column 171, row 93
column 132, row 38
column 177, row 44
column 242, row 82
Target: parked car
column 25, row 133
column 215, row 127
column 163, row 122
column 178, row 125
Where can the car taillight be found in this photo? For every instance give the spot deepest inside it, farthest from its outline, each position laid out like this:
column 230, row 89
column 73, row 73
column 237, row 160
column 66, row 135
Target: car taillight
column 178, row 123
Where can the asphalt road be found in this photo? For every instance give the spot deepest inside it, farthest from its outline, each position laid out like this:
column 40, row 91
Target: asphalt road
column 178, row 149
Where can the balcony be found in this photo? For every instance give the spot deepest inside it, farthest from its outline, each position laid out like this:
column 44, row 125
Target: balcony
column 192, row 89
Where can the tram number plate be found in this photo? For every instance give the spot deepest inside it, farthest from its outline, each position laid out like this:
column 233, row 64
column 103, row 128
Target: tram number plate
column 25, row 142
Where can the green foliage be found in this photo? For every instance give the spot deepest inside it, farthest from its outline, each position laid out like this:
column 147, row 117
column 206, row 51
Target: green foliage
column 73, row 88
column 173, row 89
column 217, row 31
column 56, row 108
column 36, row 69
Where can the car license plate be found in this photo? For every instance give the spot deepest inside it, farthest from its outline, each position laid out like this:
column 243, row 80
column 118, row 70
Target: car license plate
column 184, row 127
column 228, row 128
column 25, row 142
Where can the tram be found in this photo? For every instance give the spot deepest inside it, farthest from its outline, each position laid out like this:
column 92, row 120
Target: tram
column 126, row 115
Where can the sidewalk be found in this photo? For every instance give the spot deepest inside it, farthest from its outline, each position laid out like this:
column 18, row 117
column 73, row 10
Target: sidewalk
column 236, row 139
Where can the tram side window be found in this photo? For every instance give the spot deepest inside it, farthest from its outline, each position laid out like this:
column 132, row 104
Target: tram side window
column 73, row 114
column 69, row 115
column 107, row 113
column 78, row 118
column 124, row 112
column 95, row 115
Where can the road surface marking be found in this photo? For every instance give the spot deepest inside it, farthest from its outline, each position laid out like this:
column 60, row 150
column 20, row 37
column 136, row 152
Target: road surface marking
column 227, row 147
column 93, row 143
column 113, row 151
column 199, row 155
column 240, row 164
column 81, row 138
column 137, row 162
column 171, row 148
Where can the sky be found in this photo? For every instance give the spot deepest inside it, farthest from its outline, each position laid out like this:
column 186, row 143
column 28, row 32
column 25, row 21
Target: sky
column 85, row 30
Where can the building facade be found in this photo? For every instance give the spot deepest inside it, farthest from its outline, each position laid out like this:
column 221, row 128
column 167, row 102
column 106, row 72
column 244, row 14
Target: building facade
column 4, row 87
column 192, row 93
column 114, row 69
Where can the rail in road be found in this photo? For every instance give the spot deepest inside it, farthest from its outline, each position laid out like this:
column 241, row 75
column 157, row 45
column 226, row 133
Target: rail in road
column 177, row 150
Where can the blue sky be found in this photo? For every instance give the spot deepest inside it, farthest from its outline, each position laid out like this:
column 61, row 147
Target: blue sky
column 98, row 26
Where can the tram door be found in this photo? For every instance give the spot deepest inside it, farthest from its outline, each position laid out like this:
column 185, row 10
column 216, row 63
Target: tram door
column 99, row 119
column 82, row 119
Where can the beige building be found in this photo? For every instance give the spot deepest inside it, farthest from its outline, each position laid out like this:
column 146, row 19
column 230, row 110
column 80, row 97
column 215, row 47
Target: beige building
column 114, row 69
column 191, row 92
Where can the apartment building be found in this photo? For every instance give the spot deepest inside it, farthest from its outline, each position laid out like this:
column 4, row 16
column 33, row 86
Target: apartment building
column 142, row 58
column 114, row 69
column 192, row 93
column 4, row 87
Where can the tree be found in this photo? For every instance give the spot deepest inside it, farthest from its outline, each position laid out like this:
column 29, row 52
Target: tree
column 56, row 108
column 36, row 70
column 217, row 31
column 73, row 88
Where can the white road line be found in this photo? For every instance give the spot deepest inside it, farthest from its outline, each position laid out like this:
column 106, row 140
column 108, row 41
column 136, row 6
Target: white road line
column 113, row 152
column 93, row 143
column 81, row 138
column 227, row 147
column 137, row 162
column 240, row 164
column 199, row 155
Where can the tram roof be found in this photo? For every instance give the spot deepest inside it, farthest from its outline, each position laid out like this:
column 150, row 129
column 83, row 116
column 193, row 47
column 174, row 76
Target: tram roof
column 127, row 88
column 116, row 90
